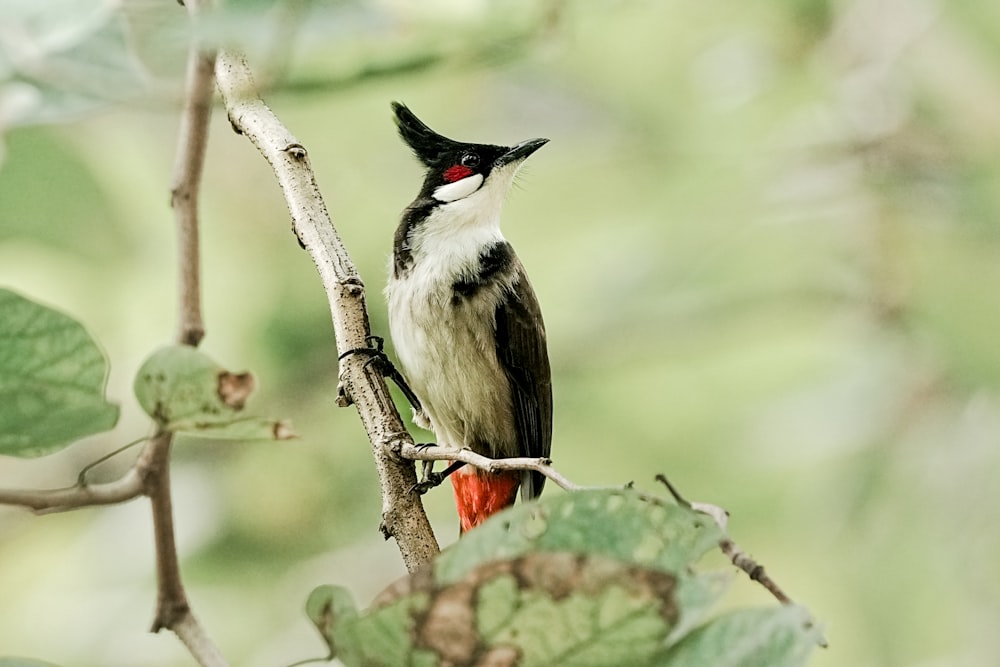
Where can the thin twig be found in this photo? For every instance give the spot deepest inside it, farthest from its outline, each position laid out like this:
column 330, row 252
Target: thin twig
column 403, row 515
column 81, row 477
column 729, row 548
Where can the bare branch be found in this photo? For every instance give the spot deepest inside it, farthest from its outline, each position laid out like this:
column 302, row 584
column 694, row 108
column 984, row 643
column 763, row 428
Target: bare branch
column 403, row 514
column 172, row 608
column 171, row 604
column 48, row 501
column 435, row 453
column 190, row 160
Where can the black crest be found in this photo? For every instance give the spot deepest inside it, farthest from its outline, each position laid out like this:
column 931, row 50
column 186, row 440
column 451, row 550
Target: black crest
column 431, row 148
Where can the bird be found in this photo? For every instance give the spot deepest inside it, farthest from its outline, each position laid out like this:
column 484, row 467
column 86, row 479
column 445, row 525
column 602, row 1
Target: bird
column 464, row 319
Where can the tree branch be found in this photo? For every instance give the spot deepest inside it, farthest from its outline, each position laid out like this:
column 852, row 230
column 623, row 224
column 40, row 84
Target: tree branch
column 50, row 501
column 171, row 601
column 435, row 453
column 172, row 608
column 190, row 160
column 403, row 514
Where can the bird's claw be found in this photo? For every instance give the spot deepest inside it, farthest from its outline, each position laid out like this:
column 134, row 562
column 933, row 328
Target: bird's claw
column 430, row 481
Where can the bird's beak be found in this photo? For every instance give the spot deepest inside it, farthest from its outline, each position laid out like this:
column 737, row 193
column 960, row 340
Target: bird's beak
column 520, row 152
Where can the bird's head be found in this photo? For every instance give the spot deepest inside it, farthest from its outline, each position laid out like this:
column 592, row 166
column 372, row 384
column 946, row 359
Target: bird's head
column 457, row 170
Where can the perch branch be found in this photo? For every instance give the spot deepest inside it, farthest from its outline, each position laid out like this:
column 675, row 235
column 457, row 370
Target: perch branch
column 403, row 514
column 435, row 453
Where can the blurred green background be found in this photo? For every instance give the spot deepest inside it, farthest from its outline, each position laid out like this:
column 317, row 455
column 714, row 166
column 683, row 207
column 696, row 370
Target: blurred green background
column 765, row 237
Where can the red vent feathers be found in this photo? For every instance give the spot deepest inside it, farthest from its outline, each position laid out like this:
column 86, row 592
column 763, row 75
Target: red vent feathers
column 479, row 495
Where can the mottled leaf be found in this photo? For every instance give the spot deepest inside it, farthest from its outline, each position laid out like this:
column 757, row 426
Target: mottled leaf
column 185, row 391
column 52, row 379
column 543, row 609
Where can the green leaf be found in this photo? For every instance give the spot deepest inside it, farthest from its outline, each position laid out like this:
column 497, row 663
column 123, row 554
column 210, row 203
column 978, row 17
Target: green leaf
column 543, row 609
column 186, row 391
column 52, row 379
column 765, row 637
column 326, row 606
column 24, row 662
column 623, row 524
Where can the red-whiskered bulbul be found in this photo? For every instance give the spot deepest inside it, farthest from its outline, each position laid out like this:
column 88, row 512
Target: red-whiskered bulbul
column 464, row 319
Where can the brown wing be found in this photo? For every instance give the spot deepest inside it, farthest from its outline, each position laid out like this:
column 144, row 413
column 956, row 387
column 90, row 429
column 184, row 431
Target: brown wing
column 522, row 353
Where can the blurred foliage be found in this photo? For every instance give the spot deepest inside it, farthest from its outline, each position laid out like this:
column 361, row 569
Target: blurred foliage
column 764, row 238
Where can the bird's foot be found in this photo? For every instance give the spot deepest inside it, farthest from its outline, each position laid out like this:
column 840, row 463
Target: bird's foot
column 429, row 479
column 380, row 360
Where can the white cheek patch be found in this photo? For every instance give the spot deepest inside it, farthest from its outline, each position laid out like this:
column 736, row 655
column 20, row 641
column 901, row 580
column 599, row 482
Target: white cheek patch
column 458, row 189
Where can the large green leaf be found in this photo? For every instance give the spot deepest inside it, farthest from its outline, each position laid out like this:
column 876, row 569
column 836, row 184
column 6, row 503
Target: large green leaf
column 590, row 578
column 24, row 662
column 545, row 609
column 52, row 379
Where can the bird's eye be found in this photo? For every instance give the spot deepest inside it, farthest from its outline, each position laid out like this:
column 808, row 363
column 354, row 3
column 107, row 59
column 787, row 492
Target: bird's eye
column 470, row 160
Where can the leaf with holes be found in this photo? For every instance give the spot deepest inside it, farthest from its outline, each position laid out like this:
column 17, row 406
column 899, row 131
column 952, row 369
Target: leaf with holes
column 52, row 379
column 186, row 391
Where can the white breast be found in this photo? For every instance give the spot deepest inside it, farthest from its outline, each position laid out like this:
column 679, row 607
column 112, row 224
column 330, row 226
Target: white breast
column 447, row 348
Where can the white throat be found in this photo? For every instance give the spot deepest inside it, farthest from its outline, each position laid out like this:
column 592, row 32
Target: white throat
column 459, row 228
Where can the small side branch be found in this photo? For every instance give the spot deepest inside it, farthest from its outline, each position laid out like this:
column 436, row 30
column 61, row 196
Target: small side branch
column 729, row 548
column 753, row 569
column 50, row 501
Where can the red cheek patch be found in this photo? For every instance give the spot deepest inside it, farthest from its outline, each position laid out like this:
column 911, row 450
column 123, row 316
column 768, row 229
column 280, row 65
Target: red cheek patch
column 456, row 173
